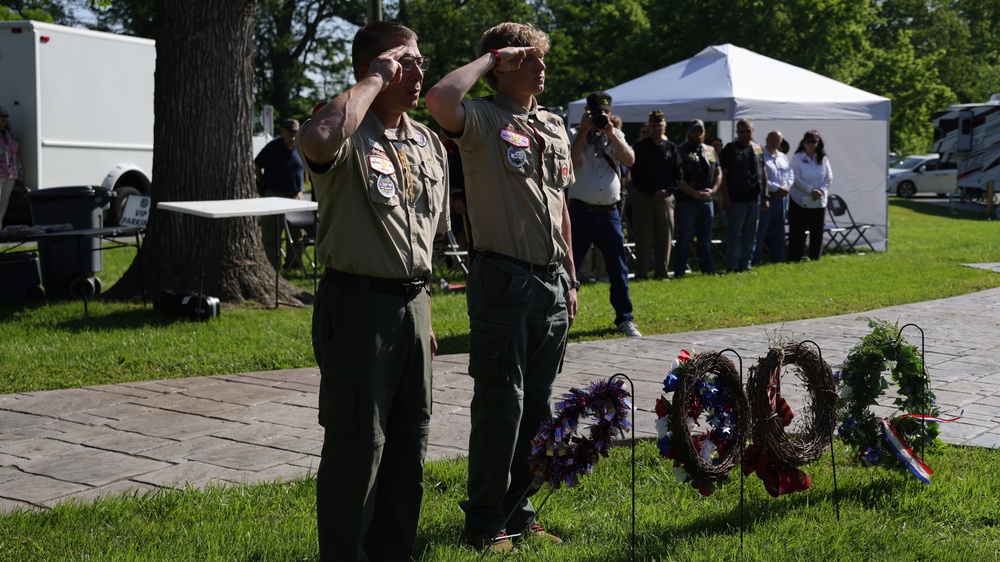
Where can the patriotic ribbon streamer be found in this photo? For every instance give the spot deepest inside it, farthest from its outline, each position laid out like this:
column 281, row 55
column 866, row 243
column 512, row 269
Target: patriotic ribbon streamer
column 903, row 452
column 925, row 417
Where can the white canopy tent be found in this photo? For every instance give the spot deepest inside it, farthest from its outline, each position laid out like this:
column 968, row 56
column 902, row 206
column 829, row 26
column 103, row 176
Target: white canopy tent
column 726, row 83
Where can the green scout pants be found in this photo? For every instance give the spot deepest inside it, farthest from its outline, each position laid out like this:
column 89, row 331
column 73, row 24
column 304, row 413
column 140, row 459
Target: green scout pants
column 519, row 325
column 373, row 351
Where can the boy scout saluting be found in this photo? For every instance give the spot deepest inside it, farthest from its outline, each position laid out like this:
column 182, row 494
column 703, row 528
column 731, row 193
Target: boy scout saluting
column 382, row 192
column 522, row 288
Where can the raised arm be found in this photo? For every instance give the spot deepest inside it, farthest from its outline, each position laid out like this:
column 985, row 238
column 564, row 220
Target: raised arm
column 444, row 100
column 324, row 134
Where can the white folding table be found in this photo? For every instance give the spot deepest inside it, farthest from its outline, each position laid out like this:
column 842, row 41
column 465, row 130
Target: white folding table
column 230, row 208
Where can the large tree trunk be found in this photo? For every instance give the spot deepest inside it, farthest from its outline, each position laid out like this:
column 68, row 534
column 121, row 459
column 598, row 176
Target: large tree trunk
column 202, row 151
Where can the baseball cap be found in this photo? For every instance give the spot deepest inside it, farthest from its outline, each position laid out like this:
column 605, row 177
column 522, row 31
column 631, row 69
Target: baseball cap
column 695, row 123
column 656, row 116
column 600, row 99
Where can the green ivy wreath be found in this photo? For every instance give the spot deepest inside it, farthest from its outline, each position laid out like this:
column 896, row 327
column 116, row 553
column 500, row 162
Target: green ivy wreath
column 861, row 382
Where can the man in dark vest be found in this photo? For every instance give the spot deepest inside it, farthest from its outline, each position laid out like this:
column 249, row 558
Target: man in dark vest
column 744, row 193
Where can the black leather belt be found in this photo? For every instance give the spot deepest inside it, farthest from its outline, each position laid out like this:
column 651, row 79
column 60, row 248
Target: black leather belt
column 550, row 268
column 408, row 288
column 593, row 208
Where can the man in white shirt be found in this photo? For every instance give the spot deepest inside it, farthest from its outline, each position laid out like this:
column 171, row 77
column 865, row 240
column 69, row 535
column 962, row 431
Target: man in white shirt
column 772, row 219
column 598, row 152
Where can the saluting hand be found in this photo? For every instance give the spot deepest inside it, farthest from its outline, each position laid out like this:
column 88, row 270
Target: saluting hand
column 387, row 66
column 512, row 57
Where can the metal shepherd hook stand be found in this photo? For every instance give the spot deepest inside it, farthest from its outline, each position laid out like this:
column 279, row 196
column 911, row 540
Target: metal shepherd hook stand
column 539, row 481
column 740, row 452
column 833, row 460
column 923, row 367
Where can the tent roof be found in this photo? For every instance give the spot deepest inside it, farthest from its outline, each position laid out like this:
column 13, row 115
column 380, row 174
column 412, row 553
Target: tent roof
column 725, row 82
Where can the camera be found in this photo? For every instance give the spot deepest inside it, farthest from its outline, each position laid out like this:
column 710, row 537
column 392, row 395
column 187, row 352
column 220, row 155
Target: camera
column 600, row 120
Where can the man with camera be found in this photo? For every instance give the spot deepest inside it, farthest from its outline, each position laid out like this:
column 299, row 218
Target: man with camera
column 599, row 150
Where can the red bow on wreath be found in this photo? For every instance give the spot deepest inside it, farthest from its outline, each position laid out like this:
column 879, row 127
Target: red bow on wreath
column 777, row 480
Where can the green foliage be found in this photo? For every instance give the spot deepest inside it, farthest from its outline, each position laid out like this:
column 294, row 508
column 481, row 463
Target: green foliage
column 861, row 381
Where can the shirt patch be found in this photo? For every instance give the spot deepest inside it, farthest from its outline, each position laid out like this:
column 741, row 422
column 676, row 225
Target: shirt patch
column 375, row 145
column 565, row 172
column 552, row 127
column 381, row 164
column 516, row 156
column 514, row 138
column 421, row 139
column 386, row 186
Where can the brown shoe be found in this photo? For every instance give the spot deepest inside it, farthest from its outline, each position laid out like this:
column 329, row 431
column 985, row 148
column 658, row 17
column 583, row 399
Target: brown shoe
column 499, row 542
column 536, row 530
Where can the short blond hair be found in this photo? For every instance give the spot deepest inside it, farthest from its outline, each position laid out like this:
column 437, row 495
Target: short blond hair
column 510, row 34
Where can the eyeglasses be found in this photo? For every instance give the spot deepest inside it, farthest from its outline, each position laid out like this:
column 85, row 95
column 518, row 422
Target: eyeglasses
column 810, row 141
column 408, row 63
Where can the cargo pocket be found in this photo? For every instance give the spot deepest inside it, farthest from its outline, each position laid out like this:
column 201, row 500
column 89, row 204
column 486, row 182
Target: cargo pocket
column 490, row 351
column 338, row 397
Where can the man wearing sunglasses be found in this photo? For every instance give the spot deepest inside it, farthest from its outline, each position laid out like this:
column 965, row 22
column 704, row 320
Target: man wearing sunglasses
column 381, row 184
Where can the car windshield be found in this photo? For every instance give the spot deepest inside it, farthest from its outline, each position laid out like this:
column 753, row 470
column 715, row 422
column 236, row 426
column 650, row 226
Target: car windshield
column 909, row 163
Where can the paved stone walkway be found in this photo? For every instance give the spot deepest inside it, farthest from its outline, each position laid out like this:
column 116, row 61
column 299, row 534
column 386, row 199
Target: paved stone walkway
column 253, row 427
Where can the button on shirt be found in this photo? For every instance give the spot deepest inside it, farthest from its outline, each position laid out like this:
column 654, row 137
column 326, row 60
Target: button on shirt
column 810, row 175
column 779, row 172
column 381, row 200
column 597, row 183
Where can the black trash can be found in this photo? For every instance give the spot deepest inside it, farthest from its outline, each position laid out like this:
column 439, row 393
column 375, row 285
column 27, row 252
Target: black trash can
column 68, row 264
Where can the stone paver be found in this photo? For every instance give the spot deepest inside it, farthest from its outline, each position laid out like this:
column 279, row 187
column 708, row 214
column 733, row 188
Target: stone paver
column 261, row 427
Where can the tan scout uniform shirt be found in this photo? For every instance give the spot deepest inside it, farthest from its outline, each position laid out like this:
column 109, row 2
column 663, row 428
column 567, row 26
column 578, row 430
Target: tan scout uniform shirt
column 505, row 148
column 379, row 206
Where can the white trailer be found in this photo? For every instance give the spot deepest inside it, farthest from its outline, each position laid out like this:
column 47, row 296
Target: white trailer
column 81, row 106
column 969, row 135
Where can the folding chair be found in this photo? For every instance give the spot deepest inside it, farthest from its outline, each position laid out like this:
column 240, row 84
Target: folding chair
column 452, row 251
column 301, row 221
column 846, row 231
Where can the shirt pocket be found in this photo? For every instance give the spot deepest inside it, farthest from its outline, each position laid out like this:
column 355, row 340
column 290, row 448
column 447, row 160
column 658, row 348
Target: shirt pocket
column 517, row 160
column 383, row 187
column 431, row 176
column 557, row 165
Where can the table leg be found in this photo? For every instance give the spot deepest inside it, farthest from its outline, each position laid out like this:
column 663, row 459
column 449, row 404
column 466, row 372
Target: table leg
column 277, row 249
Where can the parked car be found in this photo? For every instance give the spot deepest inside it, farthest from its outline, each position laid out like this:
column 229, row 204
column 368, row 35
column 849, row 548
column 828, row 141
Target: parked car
column 924, row 173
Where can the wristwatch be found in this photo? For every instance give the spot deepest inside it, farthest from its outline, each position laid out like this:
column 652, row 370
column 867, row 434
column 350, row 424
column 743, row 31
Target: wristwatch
column 574, row 285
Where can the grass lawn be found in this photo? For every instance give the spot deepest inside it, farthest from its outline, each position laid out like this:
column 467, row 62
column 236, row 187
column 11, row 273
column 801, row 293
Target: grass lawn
column 883, row 515
column 53, row 345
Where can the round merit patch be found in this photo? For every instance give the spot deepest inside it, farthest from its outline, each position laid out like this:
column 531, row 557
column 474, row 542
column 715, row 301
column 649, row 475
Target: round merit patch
column 516, row 156
column 421, row 139
column 386, row 186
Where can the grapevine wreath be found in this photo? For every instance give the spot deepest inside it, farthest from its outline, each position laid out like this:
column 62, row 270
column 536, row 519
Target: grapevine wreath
column 861, row 383
column 706, row 387
column 775, row 455
column 558, row 454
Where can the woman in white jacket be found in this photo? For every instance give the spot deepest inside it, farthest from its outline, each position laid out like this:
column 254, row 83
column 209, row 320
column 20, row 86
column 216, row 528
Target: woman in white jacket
column 807, row 208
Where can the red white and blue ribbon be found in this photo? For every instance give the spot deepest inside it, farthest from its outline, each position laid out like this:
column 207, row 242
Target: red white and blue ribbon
column 925, row 417
column 903, row 452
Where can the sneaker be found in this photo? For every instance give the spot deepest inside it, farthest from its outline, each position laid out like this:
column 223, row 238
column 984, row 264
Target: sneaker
column 500, row 542
column 628, row 328
column 536, row 530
